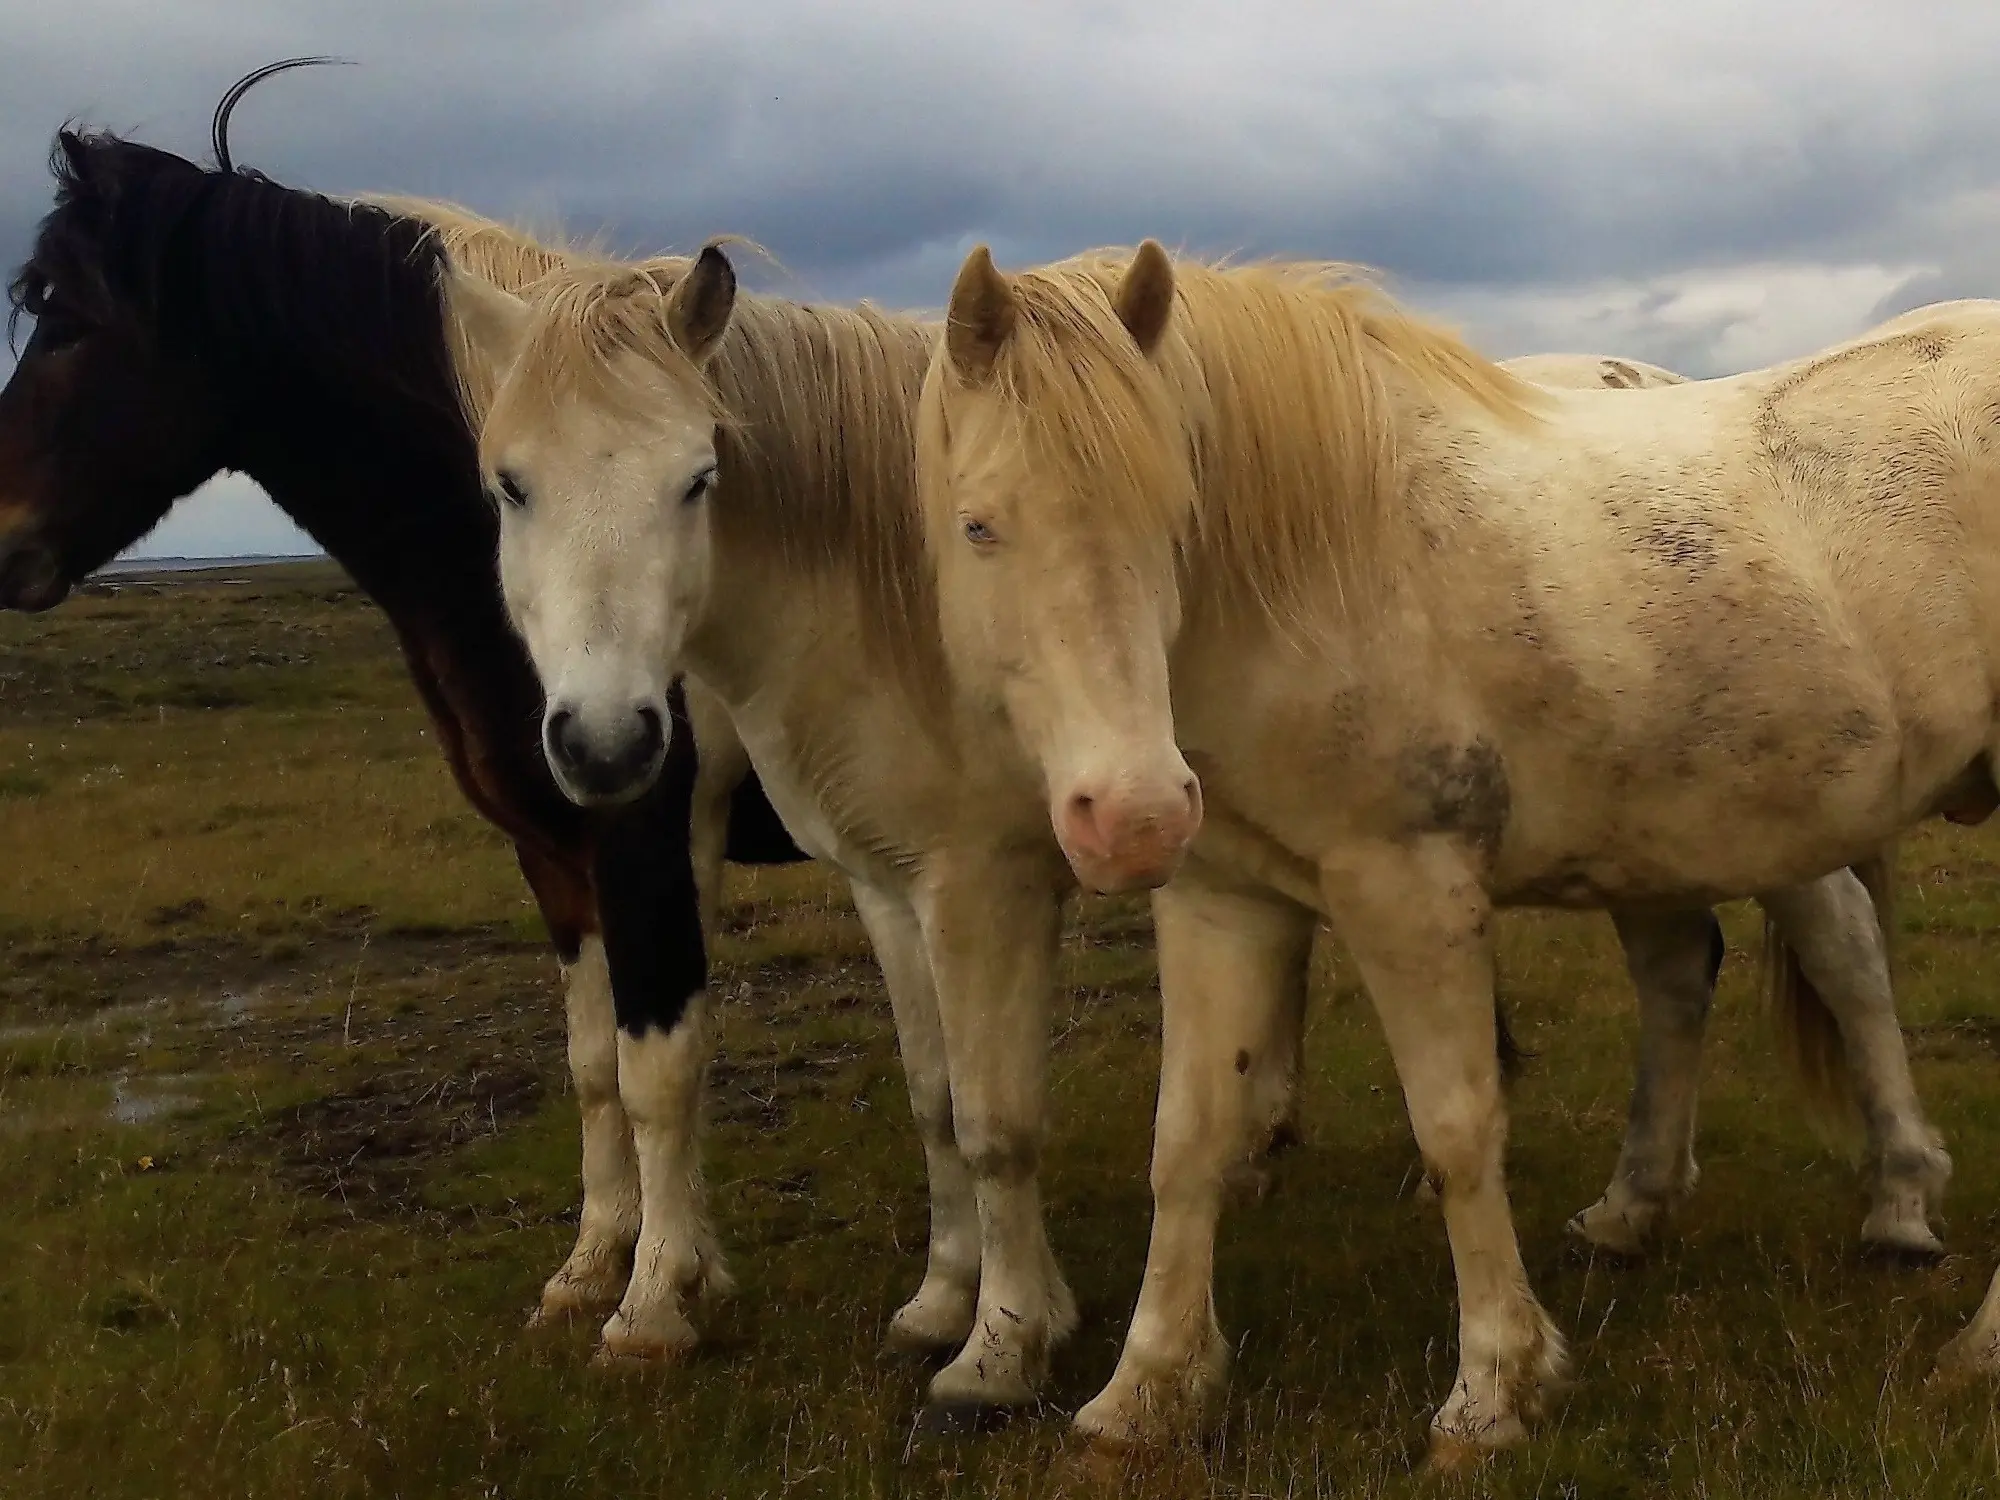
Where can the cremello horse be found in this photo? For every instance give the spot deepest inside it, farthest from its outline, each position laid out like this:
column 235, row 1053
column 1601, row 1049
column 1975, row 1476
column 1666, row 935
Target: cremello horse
column 693, row 481
column 1657, row 1167
column 1440, row 641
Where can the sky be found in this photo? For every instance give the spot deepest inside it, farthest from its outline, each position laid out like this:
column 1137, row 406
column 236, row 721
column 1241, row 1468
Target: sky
column 1712, row 185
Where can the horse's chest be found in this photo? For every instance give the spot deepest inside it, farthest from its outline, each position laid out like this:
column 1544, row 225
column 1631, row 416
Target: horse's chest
column 844, row 799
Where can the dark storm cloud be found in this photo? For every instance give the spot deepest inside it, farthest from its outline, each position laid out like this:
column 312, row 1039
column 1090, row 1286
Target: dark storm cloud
column 1556, row 174
column 1517, row 144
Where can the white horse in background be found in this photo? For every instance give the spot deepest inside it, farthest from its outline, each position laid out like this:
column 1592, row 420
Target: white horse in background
column 1864, row 1062
column 1439, row 641
column 694, row 481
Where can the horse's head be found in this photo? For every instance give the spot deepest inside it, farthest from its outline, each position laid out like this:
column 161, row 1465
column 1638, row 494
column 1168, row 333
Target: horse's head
column 102, row 427
column 1057, row 480
column 598, row 444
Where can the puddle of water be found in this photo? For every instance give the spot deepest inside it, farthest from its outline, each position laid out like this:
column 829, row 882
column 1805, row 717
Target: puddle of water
column 97, row 1021
column 154, row 1098
column 234, row 1008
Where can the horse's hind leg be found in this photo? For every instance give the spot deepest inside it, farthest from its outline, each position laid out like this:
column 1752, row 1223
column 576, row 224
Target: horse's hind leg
column 592, row 1280
column 1673, row 958
column 940, row 1315
column 1831, row 926
column 1274, row 1082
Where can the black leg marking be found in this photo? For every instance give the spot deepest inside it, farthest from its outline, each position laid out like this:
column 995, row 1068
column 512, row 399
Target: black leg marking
column 647, row 901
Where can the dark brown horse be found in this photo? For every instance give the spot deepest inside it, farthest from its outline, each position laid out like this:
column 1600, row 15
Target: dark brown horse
column 189, row 320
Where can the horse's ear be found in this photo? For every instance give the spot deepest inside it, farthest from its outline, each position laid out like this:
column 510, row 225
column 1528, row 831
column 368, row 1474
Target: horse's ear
column 1145, row 297
column 698, row 311
column 981, row 315
column 71, row 158
column 491, row 321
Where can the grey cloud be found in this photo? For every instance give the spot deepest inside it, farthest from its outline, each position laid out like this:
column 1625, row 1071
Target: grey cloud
column 1488, row 157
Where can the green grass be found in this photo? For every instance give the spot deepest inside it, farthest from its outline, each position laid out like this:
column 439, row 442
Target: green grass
column 237, row 876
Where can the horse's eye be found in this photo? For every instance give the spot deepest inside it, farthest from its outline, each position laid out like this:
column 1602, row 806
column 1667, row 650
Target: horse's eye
column 979, row 533
column 509, row 488
column 699, row 486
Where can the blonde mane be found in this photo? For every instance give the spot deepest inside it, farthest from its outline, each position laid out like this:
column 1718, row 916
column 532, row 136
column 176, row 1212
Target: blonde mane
column 1266, row 430
column 815, row 412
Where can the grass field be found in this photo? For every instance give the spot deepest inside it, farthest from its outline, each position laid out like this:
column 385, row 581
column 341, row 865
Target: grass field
column 288, row 1149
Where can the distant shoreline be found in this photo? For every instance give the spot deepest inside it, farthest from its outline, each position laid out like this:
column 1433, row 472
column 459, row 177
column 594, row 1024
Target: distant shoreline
column 124, row 567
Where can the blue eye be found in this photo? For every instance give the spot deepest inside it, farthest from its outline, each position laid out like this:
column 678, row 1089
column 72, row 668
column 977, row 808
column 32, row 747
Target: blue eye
column 979, row 533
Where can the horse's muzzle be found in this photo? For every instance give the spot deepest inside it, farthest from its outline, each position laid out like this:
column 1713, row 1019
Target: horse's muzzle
column 598, row 764
column 31, row 577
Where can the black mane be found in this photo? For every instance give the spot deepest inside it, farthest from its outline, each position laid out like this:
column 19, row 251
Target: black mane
column 272, row 290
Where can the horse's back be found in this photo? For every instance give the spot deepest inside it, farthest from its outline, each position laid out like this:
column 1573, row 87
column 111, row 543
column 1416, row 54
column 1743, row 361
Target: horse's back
column 1782, row 586
column 1590, row 372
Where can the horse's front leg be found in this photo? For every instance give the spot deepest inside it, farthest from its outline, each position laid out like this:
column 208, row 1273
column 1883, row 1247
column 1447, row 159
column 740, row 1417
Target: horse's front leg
column 991, row 928
column 1232, row 964
column 1673, row 958
column 1417, row 921
column 1831, row 925
column 591, row 1281
column 940, row 1315
column 651, row 911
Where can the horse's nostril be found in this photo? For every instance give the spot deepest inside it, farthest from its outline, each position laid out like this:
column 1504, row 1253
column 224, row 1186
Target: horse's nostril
column 561, row 743
column 652, row 733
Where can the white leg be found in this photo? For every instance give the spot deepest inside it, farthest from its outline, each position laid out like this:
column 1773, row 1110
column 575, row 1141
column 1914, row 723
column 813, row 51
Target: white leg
column 1673, row 958
column 1831, row 926
column 594, row 1276
column 940, row 1315
column 1418, row 924
column 992, row 932
column 1976, row 1351
column 1229, row 967
column 660, row 1075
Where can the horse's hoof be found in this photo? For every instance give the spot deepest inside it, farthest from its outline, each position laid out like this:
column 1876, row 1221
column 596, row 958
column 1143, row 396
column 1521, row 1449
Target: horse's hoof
column 1903, row 1241
column 916, row 1330
column 565, row 1302
column 1912, row 1251
column 1455, row 1452
column 1453, row 1455
column 621, row 1347
column 1608, row 1234
column 1969, row 1357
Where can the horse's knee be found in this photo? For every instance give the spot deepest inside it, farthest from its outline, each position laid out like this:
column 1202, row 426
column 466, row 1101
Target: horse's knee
column 999, row 1152
column 1459, row 1133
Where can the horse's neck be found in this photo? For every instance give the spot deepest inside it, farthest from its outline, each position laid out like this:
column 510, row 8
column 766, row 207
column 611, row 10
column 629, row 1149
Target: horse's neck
column 401, row 515
column 789, row 583
column 769, row 614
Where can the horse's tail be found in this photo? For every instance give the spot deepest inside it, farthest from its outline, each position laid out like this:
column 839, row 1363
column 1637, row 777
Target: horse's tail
column 1808, row 1035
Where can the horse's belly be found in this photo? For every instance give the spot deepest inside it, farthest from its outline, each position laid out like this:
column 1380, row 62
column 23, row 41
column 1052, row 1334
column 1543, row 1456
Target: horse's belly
column 1713, row 833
